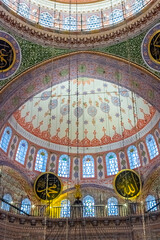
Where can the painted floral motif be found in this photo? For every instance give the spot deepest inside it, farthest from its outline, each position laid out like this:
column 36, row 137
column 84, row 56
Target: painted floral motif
column 92, row 111
column 105, row 107
column 65, row 109
column 45, row 95
column 53, row 104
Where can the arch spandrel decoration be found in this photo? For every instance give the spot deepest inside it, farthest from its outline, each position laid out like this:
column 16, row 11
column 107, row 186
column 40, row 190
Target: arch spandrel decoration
column 97, row 65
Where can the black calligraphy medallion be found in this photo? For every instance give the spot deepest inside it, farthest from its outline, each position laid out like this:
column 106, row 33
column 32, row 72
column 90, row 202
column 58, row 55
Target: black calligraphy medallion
column 154, row 47
column 127, row 184
column 7, row 55
column 47, row 186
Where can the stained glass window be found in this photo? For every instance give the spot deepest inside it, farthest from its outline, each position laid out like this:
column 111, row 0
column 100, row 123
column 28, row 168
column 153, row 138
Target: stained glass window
column 41, row 160
column 116, row 16
column 46, row 19
column 6, row 138
column 88, row 206
column 151, row 202
column 112, row 206
column 23, row 10
column 64, row 166
column 26, row 206
column 111, row 163
column 70, row 23
column 21, row 152
column 65, row 208
column 133, row 157
column 138, row 5
column 88, row 166
column 8, row 198
column 152, row 146
column 93, row 22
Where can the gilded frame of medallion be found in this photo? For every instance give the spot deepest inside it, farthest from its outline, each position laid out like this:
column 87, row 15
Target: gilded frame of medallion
column 130, row 170
column 36, row 182
column 149, row 52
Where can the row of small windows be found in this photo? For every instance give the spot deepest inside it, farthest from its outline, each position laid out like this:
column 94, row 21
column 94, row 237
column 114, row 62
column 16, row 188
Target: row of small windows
column 70, row 23
column 88, row 160
column 88, row 205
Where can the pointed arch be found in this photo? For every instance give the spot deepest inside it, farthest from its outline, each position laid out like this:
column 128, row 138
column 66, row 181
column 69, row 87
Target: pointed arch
column 64, row 166
column 150, row 203
column 111, row 163
column 26, row 205
column 41, row 160
column 6, row 137
column 93, row 22
column 88, row 206
column 65, row 208
column 152, row 146
column 112, row 206
column 46, row 19
column 8, row 198
column 21, row 151
column 134, row 160
column 23, row 10
column 88, row 167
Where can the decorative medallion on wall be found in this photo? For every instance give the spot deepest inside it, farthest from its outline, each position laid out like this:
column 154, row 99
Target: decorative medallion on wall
column 47, row 186
column 127, row 184
column 10, row 55
column 151, row 48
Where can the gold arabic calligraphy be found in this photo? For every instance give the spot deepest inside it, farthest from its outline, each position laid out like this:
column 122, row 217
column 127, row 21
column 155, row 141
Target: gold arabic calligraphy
column 6, row 55
column 48, row 190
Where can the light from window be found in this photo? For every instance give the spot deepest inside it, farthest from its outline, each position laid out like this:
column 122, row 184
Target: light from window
column 112, row 206
column 88, row 166
column 26, row 206
column 111, row 163
column 8, row 198
column 116, row 16
column 138, row 5
column 133, row 157
column 21, row 152
column 23, row 10
column 70, row 23
column 88, row 206
column 64, row 166
column 46, row 19
column 41, row 160
column 65, row 208
column 151, row 202
column 6, row 139
column 152, row 146
column 93, row 22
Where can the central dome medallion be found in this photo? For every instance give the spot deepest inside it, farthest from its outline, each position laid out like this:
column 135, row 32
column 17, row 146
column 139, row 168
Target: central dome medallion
column 84, row 112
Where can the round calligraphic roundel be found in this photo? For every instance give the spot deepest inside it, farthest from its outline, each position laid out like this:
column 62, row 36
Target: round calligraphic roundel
column 151, row 48
column 47, row 186
column 10, row 55
column 127, row 184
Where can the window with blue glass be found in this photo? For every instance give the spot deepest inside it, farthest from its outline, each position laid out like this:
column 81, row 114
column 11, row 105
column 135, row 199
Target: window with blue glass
column 111, row 164
column 21, row 152
column 150, row 203
column 88, row 206
column 116, row 16
column 41, row 160
column 23, row 10
column 88, row 166
column 64, row 166
column 26, row 206
column 93, row 22
column 138, row 5
column 133, row 157
column 65, row 208
column 112, row 206
column 70, row 23
column 8, row 198
column 6, row 138
column 152, row 146
column 46, row 19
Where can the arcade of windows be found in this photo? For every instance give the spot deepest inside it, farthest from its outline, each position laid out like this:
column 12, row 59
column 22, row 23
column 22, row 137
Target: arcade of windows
column 88, row 162
column 89, row 209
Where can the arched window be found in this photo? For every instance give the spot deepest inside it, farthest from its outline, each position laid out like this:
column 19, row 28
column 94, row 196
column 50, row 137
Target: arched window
column 133, row 157
column 70, row 23
column 64, row 166
column 6, row 139
column 152, row 146
column 111, row 163
column 116, row 16
column 21, row 152
column 46, row 19
column 41, row 160
column 112, row 206
column 8, row 198
column 88, row 206
column 23, row 10
column 65, row 208
column 88, row 166
column 93, row 22
column 26, row 206
column 151, row 202
column 138, row 5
